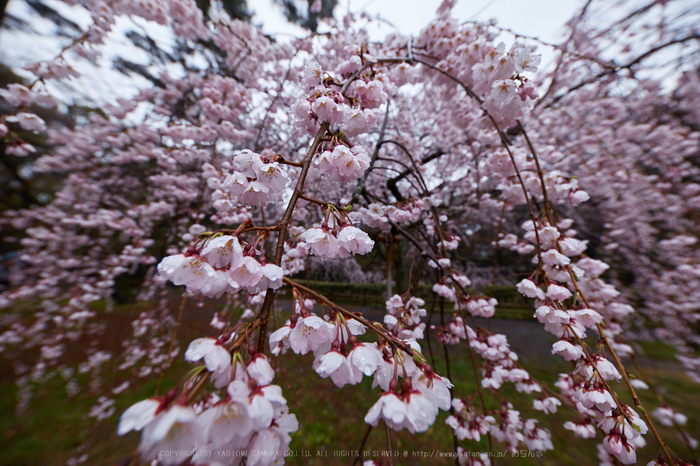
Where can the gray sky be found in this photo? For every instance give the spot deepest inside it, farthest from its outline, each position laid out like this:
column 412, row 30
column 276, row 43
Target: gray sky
column 543, row 19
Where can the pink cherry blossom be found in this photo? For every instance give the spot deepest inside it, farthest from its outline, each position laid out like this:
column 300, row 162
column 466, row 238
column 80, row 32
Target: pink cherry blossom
column 28, row 121
column 567, row 350
column 172, row 429
column 337, row 366
column 216, row 358
column 259, row 369
column 548, row 405
column 138, row 416
column 323, row 243
column 354, row 240
column 529, row 289
column 558, row 293
column 310, row 334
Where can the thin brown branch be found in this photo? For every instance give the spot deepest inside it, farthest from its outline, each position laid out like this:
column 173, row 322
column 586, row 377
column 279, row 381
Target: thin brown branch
column 172, row 341
column 604, row 337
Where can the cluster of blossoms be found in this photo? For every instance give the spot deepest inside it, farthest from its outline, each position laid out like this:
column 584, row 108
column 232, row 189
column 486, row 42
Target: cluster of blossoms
column 337, row 352
column 493, row 74
column 251, row 420
column 510, row 430
column 374, row 216
column 500, row 366
column 324, row 103
column 22, row 97
column 587, row 388
column 342, row 163
column 500, row 362
column 255, row 181
column 413, row 406
column 451, row 287
column 466, row 423
column 402, row 213
column 404, row 317
column 335, row 237
column 341, row 357
column 221, row 265
column 295, row 252
column 622, row 426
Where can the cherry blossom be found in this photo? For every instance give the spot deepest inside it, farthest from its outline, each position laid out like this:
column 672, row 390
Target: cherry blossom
column 216, row 358
column 354, row 240
column 445, row 166
column 138, row 416
column 172, row 429
column 548, row 405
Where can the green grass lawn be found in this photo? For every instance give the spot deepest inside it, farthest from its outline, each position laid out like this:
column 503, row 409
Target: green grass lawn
column 331, row 419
